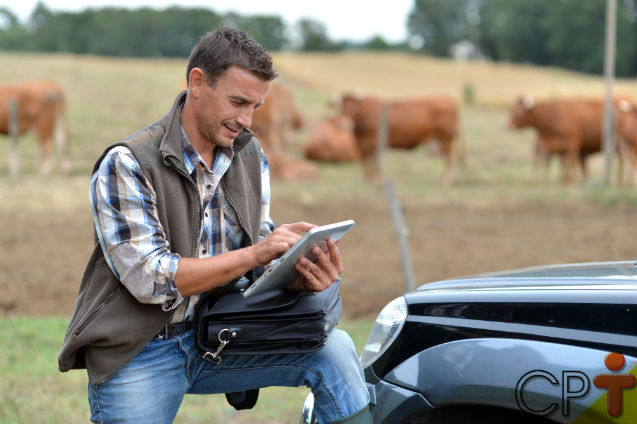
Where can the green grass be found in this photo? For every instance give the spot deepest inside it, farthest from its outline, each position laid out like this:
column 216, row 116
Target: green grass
column 32, row 390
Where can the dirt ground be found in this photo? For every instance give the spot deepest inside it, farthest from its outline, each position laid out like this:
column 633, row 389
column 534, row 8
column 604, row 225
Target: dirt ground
column 43, row 255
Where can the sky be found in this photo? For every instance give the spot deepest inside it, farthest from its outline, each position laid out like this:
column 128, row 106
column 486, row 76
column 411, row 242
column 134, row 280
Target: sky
column 352, row 20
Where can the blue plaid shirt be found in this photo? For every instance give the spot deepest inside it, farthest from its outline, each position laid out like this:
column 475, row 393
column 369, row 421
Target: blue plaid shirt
column 132, row 238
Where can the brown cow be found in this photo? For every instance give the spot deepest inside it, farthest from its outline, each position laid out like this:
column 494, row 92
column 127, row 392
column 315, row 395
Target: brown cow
column 274, row 120
column 41, row 107
column 284, row 167
column 332, row 140
column 627, row 132
column 569, row 128
column 410, row 123
column 272, row 124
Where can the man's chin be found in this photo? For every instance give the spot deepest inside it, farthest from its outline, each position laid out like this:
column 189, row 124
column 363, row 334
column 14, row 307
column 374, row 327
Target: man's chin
column 224, row 141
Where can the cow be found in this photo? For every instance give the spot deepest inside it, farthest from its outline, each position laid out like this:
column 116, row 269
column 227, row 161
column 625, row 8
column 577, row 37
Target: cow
column 287, row 168
column 274, row 120
column 40, row 107
column 411, row 122
column 627, row 132
column 569, row 128
column 332, row 140
column 272, row 124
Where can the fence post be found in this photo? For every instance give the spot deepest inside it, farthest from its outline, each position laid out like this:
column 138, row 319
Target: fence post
column 402, row 233
column 382, row 136
column 609, row 73
column 13, row 133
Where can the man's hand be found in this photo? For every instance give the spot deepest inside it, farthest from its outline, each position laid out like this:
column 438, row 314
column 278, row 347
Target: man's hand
column 319, row 275
column 279, row 242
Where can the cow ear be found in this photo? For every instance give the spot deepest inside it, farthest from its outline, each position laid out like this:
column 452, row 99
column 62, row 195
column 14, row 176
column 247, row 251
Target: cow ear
column 624, row 105
column 359, row 95
column 528, row 102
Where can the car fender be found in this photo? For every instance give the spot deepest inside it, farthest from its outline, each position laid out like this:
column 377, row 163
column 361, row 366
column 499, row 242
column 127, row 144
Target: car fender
column 537, row 377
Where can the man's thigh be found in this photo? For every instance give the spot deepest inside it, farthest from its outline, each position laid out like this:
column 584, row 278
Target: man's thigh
column 149, row 389
column 333, row 373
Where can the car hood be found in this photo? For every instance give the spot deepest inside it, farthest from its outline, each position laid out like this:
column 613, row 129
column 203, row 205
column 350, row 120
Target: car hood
column 619, row 275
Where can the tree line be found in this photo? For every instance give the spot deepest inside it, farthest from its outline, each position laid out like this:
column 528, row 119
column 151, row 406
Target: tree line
column 564, row 33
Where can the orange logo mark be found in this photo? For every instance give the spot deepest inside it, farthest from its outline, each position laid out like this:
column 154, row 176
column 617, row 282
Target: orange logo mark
column 615, row 383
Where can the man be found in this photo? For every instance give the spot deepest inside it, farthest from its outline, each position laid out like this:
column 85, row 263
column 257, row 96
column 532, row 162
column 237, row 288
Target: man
column 182, row 207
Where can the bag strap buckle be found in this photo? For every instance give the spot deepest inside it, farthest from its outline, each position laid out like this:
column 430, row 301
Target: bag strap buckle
column 214, row 357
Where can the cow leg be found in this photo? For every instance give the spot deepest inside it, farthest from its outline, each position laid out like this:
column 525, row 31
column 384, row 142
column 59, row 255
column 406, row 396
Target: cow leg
column 564, row 161
column 448, row 153
column 369, row 160
column 583, row 167
column 61, row 141
column 633, row 159
column 541, row 160
column 621, row 151
column 44, row 132
column 573, row 156
column 46, row 160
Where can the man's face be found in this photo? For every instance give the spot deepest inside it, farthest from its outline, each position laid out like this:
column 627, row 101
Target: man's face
column 224, row 109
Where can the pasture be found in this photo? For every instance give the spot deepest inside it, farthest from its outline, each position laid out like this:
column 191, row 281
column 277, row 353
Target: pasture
column 496, row 216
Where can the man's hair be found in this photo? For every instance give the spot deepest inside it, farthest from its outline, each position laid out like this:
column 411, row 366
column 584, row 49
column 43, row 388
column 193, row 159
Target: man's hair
column 222, row 48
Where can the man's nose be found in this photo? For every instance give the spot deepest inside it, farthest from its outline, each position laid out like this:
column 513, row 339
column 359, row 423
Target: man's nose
column 245, row 118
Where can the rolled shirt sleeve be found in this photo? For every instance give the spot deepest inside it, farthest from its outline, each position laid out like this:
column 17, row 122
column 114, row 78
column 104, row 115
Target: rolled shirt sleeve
column 126, row 221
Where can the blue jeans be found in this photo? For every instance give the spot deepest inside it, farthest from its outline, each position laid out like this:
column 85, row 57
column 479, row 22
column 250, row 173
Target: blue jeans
column 150, row 388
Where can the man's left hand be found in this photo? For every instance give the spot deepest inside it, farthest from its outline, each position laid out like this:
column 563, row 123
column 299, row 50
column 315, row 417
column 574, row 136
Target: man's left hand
column 319, row 275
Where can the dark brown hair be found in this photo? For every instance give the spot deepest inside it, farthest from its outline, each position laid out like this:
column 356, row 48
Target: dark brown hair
column 222, row 48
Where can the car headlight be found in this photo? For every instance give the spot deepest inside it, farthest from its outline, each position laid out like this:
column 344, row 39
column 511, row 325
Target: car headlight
column 385, row 330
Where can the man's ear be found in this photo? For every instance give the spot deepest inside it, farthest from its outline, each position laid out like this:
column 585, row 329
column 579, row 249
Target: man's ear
column 196, row 81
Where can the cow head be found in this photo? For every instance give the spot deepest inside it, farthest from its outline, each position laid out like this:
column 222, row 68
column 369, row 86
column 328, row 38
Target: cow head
column 348, row 103
column 521, row 111
column 626, row 106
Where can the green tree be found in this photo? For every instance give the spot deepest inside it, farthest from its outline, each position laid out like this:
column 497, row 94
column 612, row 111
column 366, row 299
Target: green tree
column 376, row 43
column 626, row 63
column 13, row 35
column 514, row 30
column 442, row 23
column 314, row 36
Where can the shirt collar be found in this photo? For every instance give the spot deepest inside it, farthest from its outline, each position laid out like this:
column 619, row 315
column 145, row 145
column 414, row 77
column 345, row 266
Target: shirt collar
column 192, row 157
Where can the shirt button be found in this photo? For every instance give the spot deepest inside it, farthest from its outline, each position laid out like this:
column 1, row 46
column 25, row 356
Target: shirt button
column 203, row 251
column 206, row 214
column 208, row 186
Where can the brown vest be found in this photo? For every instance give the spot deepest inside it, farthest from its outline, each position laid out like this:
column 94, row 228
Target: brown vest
column 109, row 326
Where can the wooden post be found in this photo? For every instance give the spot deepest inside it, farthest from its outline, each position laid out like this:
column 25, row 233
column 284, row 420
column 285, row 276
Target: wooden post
column 383, row 135
column 402, row 233
column 13, row 133
column 609, row 72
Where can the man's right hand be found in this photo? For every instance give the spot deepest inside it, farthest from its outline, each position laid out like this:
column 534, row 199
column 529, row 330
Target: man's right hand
column 279, row 241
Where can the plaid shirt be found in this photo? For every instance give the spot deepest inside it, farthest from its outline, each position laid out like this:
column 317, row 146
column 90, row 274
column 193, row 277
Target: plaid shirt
column 132, row 238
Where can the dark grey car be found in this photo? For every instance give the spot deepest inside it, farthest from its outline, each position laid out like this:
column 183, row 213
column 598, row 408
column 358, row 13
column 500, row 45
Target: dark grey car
column 546, row 344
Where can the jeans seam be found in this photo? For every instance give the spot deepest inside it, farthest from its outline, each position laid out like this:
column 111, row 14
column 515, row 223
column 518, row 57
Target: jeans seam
column 184, row 351
column 97, row 404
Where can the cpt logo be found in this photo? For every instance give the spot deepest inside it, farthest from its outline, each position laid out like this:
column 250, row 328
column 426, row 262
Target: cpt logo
column 575, row 384
column 615, row 383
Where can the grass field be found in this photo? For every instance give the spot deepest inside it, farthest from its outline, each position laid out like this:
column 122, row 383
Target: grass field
column 46, row 226
column 33, row 391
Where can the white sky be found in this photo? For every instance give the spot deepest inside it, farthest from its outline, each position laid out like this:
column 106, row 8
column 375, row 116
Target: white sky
column 354, row 20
